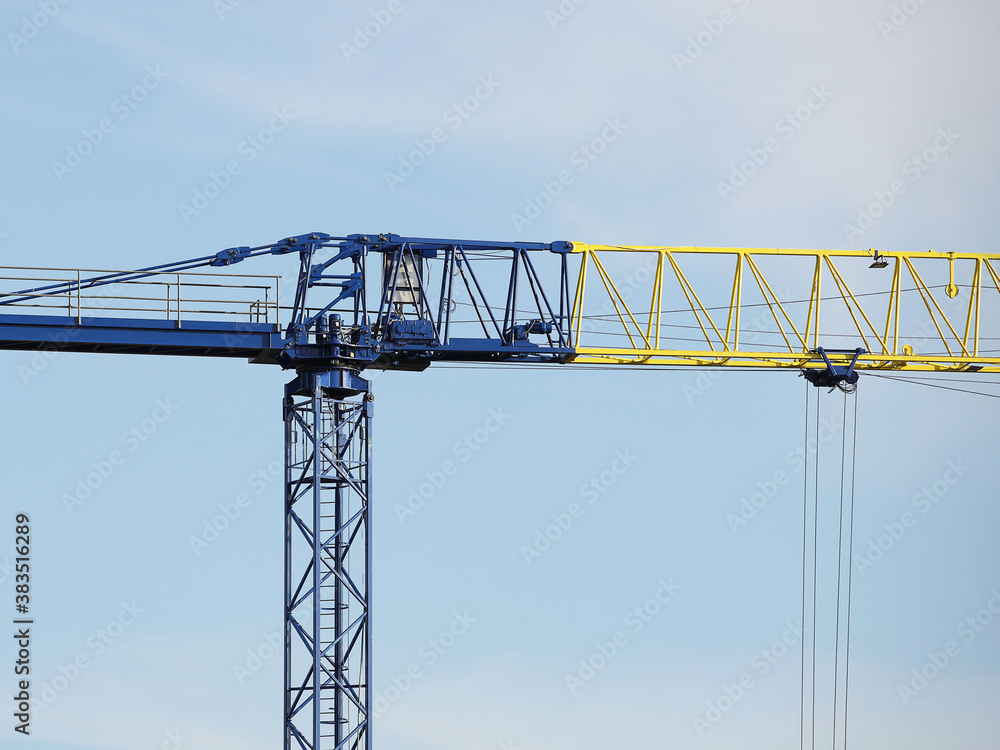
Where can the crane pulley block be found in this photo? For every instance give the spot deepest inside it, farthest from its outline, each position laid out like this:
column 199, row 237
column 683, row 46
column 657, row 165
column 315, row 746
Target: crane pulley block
column 835, row 376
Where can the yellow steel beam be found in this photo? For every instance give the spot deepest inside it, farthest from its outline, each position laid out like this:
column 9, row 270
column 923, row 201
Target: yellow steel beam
column 880, row 292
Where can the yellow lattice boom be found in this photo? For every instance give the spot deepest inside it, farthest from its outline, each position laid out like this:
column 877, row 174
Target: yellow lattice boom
column 767, row 307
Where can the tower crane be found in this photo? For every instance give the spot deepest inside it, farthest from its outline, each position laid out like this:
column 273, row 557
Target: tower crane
column 386, row 302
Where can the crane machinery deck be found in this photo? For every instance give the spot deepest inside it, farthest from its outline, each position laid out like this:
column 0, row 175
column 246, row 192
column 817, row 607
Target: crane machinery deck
column 399, row 303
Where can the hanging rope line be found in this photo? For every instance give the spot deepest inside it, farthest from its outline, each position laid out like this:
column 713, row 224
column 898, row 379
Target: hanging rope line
column 840, row 570
column 850, row 570
column 810, row 678
column 815, row 552
column 802, row 622
column 932, row 385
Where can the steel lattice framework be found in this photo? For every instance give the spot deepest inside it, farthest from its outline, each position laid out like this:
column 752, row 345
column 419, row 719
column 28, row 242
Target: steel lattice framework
column 835, row 299
column 390, row 302
column 327, row 562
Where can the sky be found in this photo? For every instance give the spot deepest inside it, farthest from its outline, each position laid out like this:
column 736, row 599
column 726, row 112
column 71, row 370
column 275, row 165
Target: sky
column 117, row 120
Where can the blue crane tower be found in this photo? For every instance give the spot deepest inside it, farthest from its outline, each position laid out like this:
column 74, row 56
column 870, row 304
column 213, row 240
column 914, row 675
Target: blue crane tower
column 387, row 302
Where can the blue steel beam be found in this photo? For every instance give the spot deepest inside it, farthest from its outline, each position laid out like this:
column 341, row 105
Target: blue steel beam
column 141, row 336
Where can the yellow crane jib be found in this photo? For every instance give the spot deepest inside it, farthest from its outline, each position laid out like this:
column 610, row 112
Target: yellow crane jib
column 770, row 307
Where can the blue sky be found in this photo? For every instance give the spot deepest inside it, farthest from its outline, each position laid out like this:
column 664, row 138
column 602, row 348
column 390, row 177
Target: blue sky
column 308, row 116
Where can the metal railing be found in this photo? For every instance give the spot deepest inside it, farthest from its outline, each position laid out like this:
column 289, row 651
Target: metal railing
column 168, row 296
